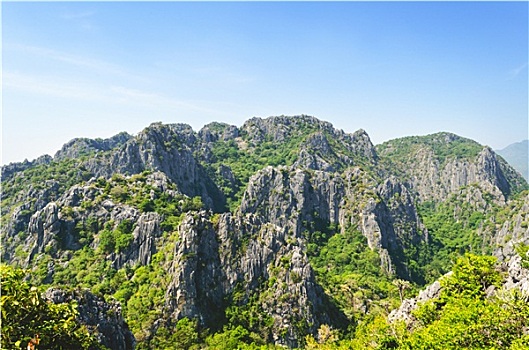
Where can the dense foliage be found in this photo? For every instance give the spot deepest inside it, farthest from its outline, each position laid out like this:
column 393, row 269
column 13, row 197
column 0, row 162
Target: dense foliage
column 350, row 273
column 25, row 314
column 244, row 158
column 463, row 317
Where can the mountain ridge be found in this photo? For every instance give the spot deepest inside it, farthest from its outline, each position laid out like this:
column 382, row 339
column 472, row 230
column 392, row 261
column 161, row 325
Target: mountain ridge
column 517, row 154
column 230, row 222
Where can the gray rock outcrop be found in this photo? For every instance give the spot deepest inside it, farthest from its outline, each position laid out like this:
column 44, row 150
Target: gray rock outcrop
column 514, row 231
column 516, row 278
column 404, row 312
column 104, row 320
column 246, row 255
column 167, row 149
column 55, row 227
column 84, row 146
column 434, row 175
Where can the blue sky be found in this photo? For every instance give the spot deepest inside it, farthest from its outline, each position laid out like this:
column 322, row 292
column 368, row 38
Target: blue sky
column 93, row 69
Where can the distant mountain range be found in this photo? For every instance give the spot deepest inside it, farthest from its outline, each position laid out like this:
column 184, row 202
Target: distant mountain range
column 517, row 154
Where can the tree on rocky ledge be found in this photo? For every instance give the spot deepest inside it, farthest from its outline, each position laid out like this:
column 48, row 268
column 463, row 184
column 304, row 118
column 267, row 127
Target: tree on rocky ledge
column 401, row 285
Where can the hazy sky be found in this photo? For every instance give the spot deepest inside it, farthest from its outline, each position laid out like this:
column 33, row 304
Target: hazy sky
column 94, row 69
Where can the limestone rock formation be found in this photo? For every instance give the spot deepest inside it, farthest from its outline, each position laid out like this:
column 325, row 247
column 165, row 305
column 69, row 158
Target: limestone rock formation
column 103, row 319
column 244, row 254
column 84, row 146
column 13, row 168
column 441, row 164
column 517, row 276
column 514, row 231
column 404, row 312
column 256, row 255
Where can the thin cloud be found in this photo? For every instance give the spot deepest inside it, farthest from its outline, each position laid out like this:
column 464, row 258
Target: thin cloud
column 77, row 15
column 148, row 98
column 75, row 60
column 49, row 86
column 85, row 91
column 513, row 73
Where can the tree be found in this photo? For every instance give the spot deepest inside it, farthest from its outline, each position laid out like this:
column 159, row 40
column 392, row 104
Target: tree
column 465, row 318
column 183, row 336
column 326, row 334
column 472, row 275
column 523, row 251
column 401, row 285
column 228, row 339
column 25, row 313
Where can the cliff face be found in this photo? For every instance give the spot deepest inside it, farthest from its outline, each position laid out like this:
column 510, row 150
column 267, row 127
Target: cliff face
column 165, row 148
column 290, row 198
column 441, row 164
column 245, row 256
column 159, row 200
column 104, row 320
column 513, row 231
column 55, row 229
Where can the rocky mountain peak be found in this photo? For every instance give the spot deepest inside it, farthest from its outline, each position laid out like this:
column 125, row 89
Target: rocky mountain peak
column 7, row 171
column 279, row 128
column 83, row 146
column 439, row 164
column 216, row 131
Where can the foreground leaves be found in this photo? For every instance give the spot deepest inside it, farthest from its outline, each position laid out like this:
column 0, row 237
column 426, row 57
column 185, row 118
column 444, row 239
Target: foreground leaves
column 25, row 313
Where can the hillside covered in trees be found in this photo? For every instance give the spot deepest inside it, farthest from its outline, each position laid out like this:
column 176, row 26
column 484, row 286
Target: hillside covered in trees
column 284, row 232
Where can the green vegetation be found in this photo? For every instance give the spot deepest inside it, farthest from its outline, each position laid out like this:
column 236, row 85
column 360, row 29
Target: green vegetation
column 117, row 240
column 184, row 335
column 25, row 313
column 461, row 318
column 444, row 146
column 455, row 227
column 140, row 289
column 245, row 157
column 450, row 236
column 52, row 179
column 523, row 251
column 350, row 273
column 245, row 161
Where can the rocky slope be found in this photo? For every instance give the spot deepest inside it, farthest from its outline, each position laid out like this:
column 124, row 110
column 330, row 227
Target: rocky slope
column 514, row 230
column 516, row 277
column 440, row 164
column 157, row 205
column 104, row 320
